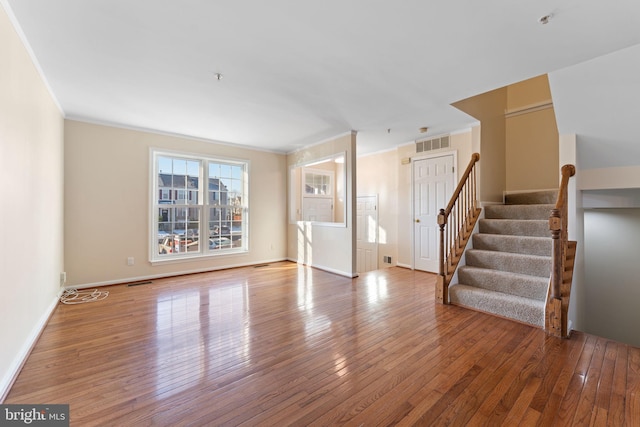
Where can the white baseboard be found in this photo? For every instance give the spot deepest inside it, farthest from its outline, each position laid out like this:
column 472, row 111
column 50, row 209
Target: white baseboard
column 21, row 357
column 334, row 271
column 328, row 269
column 173, row 273
column 398, row 264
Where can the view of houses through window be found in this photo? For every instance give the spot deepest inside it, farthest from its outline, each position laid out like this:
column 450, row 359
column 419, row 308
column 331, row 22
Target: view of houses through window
column 199, row 206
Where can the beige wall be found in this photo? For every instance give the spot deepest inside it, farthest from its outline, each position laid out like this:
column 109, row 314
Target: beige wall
column 405, row 206
column 489, row 108
column 532, row 151
column 378, row 175
column 329, row 247
column 531, row 137
column 519, row 138
column 528, row 93
column 107, row 204
column 340, row 199
column 463, row 144
column 31, row 172
column 384, row 174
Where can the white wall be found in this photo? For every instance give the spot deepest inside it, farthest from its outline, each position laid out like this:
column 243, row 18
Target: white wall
column 611, row 247
column 328, row 247
column 598, row 101
column 596, row 105
column 107, row 204
column 567, row 155
column 604, row 218
column 31, row 172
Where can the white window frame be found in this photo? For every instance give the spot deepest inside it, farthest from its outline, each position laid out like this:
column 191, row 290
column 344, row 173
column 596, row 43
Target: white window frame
column 202, row 206
column 329, row 192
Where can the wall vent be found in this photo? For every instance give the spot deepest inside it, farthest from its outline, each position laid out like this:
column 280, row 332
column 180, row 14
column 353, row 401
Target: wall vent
column 432, row 144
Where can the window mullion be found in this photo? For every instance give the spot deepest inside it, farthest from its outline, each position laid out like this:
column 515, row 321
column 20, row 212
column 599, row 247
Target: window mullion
column 204, row 211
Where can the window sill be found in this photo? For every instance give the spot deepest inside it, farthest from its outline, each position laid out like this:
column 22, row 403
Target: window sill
column 192, row 258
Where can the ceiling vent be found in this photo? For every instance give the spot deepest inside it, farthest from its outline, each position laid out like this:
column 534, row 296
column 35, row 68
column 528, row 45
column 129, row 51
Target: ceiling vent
column 432, row 144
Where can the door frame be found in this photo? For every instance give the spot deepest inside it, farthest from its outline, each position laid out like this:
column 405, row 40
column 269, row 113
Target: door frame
column 456, row 178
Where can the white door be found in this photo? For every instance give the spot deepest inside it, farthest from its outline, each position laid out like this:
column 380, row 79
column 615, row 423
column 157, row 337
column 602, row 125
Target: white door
column 317, row 209
column 367, row 233
column 433, row 184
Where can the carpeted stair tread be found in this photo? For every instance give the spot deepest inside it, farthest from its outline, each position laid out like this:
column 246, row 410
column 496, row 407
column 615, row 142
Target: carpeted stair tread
column 525, row 310
column 533, row 265
column 508, row 268
column 515, row 227
column 522, row 285
column 514, row 244
column 540, row 212
column 532, row 198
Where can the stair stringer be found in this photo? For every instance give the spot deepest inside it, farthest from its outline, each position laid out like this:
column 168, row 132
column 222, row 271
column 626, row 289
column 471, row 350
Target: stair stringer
column 557, row 311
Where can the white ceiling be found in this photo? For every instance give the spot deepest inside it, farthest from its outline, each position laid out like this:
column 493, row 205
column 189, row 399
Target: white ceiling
column 297, row 72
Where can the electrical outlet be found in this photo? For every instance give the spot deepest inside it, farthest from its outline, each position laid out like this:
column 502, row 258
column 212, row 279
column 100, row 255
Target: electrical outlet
column 63, row 278
column 130, row 261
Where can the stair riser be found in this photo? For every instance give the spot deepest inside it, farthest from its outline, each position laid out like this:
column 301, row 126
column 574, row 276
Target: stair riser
column 521, row 309
column 512, row 227
column 515, row 263
column 513, row 244
column 523, row 286
column 537, row 197
column 539, row 212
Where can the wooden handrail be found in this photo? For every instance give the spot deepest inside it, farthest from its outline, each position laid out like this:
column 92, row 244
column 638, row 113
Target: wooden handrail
column 558, row 298
column 567, row 172
column 475, row 157
column 456, row 223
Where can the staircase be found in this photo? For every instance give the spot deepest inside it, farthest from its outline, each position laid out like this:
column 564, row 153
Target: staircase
column 508, row 270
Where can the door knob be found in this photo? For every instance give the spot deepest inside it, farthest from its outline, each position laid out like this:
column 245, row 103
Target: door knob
column 417, row 220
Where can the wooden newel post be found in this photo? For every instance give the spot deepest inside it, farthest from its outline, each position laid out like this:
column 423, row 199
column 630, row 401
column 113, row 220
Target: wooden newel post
column 563, row 254
column 442, row 295
column 554, row 309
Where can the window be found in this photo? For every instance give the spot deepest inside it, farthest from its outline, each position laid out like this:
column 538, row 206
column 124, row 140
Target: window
column 199, row 206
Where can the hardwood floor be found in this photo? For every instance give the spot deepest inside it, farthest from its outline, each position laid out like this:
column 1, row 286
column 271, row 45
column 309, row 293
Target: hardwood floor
column 287, row 345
